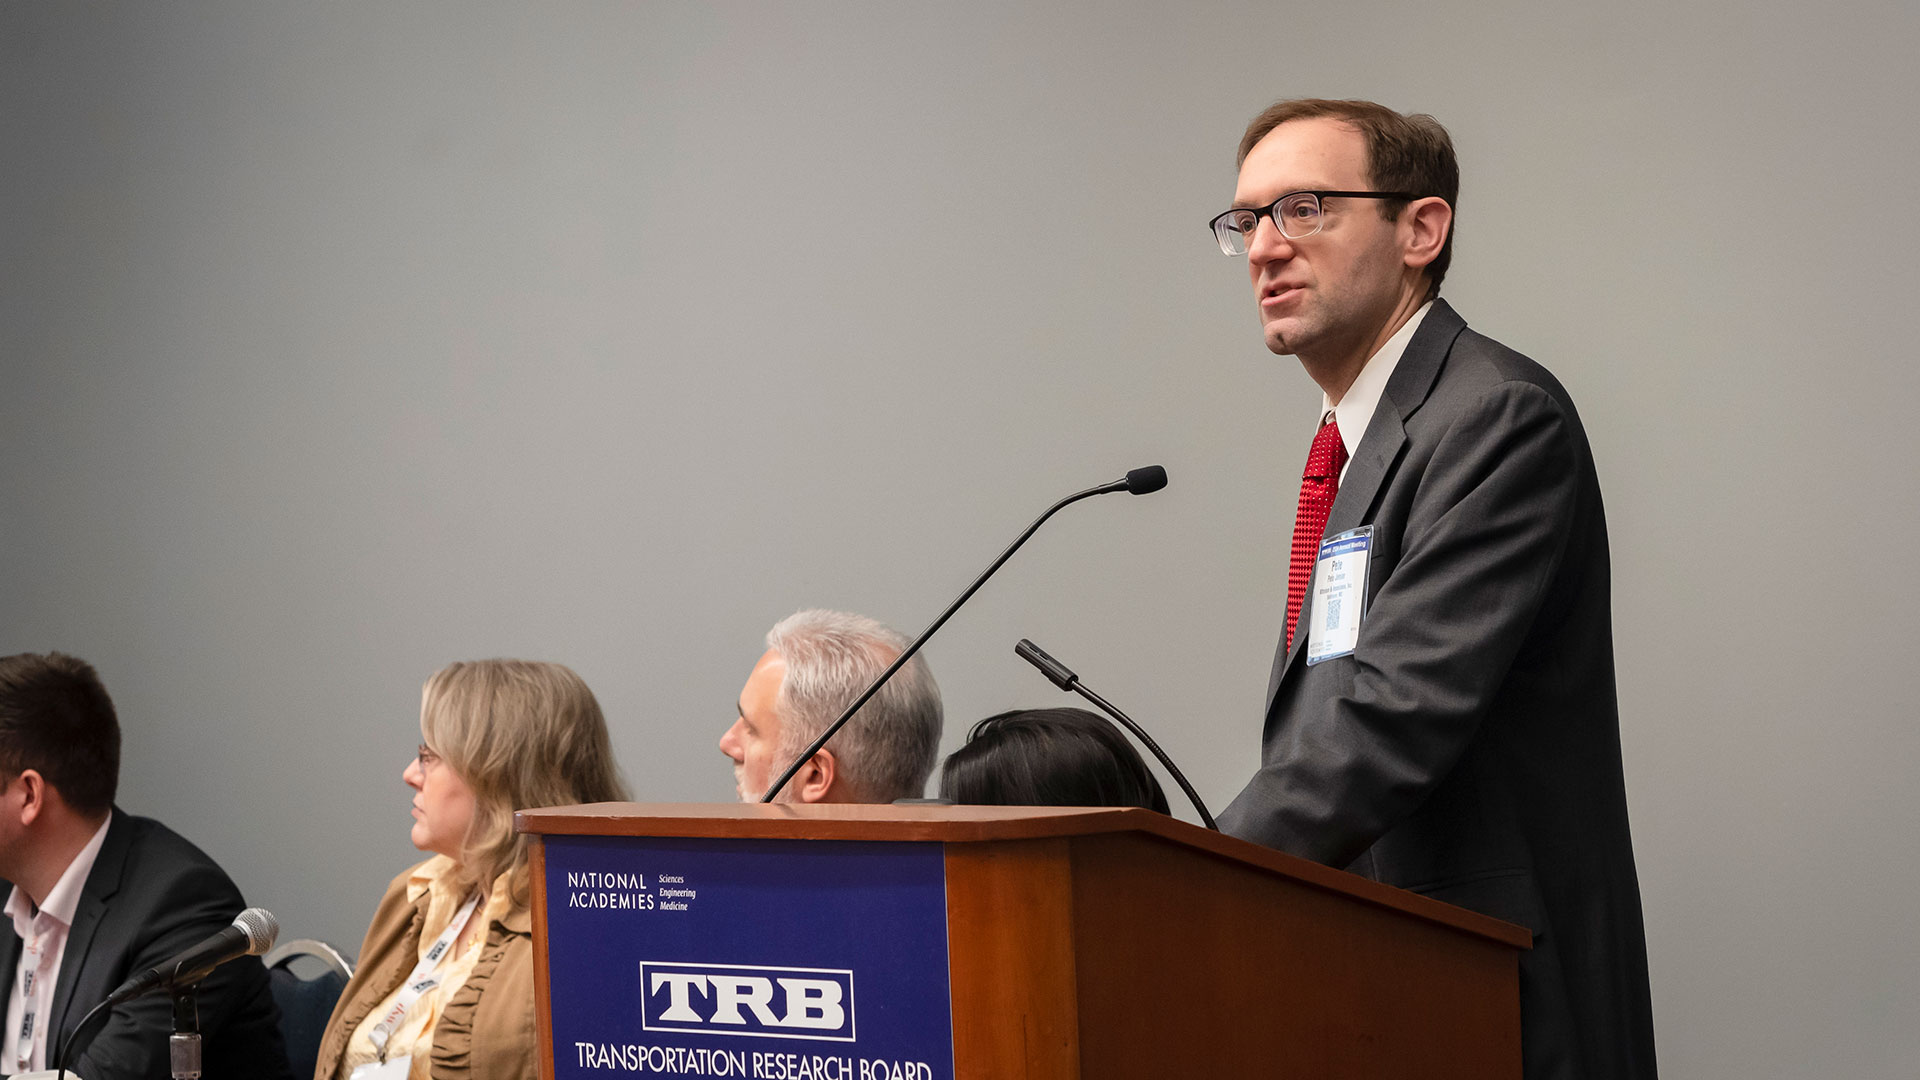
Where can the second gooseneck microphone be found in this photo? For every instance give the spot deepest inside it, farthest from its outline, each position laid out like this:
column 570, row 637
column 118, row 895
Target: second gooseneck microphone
column 1065, row 679
column 1141, row 481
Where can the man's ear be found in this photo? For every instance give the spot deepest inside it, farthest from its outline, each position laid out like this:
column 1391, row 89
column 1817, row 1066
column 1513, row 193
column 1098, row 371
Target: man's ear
column 29, row 796
column 1425, row 225
column 814, row 782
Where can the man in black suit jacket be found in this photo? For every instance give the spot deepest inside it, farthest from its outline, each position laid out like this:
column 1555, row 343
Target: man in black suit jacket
column 1458, row 735
column 147, row 895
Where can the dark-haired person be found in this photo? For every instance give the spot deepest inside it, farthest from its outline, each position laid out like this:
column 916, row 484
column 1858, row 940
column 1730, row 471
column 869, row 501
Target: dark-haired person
column 99, row 895
column 1441, row 714
column 444, row 988
column 1049, row 757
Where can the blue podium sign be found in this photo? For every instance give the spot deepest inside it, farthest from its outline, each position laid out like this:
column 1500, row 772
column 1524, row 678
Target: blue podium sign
column 777, row 959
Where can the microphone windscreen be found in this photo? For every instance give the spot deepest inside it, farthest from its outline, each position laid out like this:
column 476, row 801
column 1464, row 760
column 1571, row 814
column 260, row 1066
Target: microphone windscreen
column 261, row 928
column 1146, row 480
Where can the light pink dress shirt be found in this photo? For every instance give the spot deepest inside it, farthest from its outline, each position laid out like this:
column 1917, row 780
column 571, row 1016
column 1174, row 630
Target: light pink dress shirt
column 43, row 941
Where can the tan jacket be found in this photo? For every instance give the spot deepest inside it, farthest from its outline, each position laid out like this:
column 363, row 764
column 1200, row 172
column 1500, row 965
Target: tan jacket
column 485, row 1033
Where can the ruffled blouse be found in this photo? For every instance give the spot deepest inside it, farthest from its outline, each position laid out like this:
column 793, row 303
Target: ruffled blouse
column 478, row 1024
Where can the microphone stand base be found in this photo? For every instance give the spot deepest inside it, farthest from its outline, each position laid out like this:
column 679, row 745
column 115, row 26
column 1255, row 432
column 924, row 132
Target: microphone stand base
column 183, row 1047
column 184, row 1051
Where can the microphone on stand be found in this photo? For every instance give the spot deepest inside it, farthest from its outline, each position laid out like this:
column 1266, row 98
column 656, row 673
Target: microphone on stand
column 1141, row 481
column 253, row 932
column 1065, row 679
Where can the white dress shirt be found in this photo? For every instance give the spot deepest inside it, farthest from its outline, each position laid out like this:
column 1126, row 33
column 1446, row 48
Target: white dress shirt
column 1355, row 410
column 43, row 941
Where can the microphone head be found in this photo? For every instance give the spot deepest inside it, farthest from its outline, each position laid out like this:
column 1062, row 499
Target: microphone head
column 261, row 928
column 1146, row 480
column 1053, row 669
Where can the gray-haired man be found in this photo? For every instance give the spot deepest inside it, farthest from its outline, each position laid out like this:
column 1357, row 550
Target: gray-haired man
column 816, row 664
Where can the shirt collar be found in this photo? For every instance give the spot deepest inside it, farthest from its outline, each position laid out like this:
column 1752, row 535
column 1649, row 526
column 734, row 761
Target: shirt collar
column 499, row 906
column 64, row 900
column 20, row 910
column 426, row 875
column 1355, row 410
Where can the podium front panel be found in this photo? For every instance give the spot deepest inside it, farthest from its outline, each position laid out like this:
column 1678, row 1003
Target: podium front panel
column 785, row 959
column 853, row 942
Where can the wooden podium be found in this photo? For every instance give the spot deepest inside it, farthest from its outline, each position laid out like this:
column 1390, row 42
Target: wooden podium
column 1077, row 943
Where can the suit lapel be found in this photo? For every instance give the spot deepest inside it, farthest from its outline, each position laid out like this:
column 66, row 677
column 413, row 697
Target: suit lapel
column 101, row 884
column 1379, row 448
column 9, row 948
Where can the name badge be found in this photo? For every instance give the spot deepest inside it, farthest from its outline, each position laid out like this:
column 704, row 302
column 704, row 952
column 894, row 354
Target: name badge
column 1339, row 594
column 390, row 1069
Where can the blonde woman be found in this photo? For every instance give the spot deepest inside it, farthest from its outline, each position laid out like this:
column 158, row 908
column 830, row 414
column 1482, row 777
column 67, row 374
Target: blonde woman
column 444, row 988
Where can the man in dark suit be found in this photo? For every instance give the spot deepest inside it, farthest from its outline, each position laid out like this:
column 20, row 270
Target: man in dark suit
column 98, row 896
column 1441, row 714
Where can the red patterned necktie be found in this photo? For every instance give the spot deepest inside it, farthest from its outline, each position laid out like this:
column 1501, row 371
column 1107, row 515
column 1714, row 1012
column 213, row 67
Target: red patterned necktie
column 1319, row 483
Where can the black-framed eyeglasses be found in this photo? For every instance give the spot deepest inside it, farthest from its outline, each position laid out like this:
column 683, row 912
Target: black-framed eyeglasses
column 1297, row 215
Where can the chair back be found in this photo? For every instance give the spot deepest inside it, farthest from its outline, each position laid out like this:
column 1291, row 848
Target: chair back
column 306, row 1001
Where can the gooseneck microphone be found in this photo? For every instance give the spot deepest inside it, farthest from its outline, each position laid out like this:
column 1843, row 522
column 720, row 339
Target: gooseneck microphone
column 1065, row 679
column 253, row 932
column 1142, row 481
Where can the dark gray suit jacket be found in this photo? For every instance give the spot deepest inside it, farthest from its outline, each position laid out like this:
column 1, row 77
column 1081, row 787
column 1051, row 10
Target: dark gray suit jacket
column 1469, row 749
column 152, row 895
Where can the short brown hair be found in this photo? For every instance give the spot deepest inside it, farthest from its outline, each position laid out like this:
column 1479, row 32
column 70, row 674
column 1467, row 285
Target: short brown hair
column 1404, row 153
column 520, row 734
column 56, row 719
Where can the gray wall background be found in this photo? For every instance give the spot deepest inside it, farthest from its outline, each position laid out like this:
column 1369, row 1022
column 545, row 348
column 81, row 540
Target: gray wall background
column 341, row 341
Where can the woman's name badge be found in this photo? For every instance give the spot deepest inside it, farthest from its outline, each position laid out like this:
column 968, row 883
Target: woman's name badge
column 1339, row 594
column 395, row 1068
